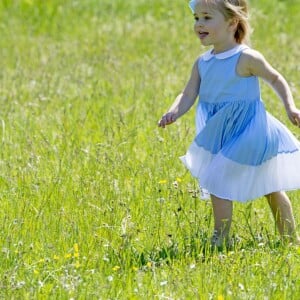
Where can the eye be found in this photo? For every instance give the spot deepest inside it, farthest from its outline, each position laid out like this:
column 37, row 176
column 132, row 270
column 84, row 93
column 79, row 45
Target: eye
column 196, row 18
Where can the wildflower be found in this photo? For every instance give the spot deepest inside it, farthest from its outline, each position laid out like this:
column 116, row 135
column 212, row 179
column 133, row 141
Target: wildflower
column 20, row 284
column 178, row 179
column 105, row 258
column 40, row 283
column 68, row 255
column 76, row 248
column 162, row 181
column 116, row 268
column 221, row 297
column 134, row 268
column 149, row 264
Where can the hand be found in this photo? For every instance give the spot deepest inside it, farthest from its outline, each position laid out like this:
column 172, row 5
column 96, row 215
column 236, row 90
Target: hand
column 294, row 116
column 167, row 119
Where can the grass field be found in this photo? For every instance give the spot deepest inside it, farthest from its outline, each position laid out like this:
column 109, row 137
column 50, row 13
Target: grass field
column 95, row 203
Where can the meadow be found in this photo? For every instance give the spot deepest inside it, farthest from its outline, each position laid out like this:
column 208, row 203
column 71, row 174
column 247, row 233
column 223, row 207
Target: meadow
column 94, row 201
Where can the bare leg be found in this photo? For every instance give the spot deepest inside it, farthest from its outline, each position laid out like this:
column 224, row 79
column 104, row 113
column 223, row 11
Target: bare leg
column 283, row 214
column 222, row 210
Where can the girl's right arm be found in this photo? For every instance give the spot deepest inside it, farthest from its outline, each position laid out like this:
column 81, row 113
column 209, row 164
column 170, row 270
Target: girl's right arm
column 184, row 100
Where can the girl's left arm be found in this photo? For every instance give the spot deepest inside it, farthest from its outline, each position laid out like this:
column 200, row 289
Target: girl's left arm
column 257, row 65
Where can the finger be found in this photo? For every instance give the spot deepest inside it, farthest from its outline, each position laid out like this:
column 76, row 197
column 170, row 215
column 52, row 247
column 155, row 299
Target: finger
column 171, row 119
column 297, row 120
column 161, row 123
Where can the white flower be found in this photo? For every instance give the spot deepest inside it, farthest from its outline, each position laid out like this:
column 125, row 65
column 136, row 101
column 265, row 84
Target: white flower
column 163, row 283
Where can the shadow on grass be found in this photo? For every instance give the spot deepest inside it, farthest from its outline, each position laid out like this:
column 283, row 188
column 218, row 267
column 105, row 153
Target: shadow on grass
column 199, row 250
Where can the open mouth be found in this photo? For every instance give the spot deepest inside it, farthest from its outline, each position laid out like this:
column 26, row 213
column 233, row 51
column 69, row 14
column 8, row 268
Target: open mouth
column 203, row 34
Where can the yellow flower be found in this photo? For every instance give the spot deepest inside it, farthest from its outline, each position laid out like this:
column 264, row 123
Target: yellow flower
column 162, row 181
column 76, row 248
column 221, row 297
column 149, row 264
column 55, row 257
column 76, row 254
column 35, row 271
column 116, row 268
column 134, row 268
column 178, row 179
column 68, row 255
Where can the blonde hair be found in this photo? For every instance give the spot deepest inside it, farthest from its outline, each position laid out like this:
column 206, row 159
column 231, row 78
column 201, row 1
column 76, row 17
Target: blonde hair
column 235, row 10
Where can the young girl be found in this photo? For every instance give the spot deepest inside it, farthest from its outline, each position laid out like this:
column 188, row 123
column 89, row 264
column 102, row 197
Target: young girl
column 240, row 151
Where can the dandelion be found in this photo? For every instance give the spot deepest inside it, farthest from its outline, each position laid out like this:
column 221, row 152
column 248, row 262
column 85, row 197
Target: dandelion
column 76, row 248
column 162, row 181
column 221, row 297
column 116, row 268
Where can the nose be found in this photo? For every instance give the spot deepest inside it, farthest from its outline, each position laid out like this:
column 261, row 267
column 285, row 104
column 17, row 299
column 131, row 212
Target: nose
column 198, row 23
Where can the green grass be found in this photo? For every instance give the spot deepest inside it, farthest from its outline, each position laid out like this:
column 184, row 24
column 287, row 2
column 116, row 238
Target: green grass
column 95, row 203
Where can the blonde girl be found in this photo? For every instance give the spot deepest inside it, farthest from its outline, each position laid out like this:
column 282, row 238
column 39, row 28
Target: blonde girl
column 240, row 151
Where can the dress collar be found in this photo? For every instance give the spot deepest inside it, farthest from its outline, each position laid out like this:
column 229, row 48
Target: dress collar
column 209, row 54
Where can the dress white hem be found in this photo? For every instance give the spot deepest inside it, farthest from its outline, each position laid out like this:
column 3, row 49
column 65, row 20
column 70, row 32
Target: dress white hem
column 230, row 180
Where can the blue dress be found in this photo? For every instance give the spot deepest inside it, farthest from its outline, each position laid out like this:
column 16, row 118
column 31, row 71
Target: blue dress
column 240, row 151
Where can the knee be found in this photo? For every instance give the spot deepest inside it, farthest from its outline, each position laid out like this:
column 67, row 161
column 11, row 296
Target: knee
column 274, row 194
column 269, row 196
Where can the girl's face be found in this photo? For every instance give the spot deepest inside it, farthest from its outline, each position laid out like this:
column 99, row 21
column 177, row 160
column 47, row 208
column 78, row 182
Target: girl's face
column 212, row 28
